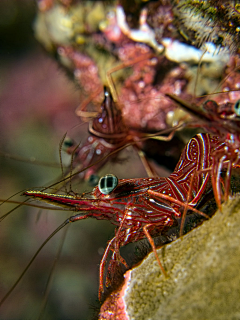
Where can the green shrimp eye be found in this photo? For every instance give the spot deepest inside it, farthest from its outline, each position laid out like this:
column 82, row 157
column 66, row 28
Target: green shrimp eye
column 67, row 143
column 107, row 183
column 237, row 108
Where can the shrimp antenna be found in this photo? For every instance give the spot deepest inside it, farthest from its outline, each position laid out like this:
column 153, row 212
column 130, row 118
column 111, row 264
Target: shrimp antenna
column 50, row 277
column 150, row 136
column 31, row 261
column 60, row 152
column 29, row 161
column 198, row 71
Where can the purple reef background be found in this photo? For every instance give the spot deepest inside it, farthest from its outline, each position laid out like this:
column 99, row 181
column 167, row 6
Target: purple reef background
column 37, row 107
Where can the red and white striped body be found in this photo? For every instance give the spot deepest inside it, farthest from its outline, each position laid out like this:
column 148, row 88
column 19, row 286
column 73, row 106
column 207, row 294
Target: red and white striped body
column 132, row 205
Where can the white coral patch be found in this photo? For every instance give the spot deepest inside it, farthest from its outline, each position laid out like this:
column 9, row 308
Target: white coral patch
column 180, row 52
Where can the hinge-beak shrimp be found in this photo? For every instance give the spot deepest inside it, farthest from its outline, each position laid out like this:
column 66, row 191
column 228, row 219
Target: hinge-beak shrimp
column 222, row 120
column 143, row 207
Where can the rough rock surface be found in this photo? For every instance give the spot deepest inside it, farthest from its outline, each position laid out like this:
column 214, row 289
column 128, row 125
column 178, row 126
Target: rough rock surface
column 203, row 274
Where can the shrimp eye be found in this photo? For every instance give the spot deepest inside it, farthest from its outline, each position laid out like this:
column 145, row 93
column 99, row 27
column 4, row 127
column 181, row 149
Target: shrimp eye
column 107, row 183
column 93, row 180
column 237, row 108
column 67, row 143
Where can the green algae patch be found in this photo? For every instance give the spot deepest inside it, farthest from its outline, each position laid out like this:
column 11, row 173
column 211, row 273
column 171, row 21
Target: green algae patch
column 203, row 274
